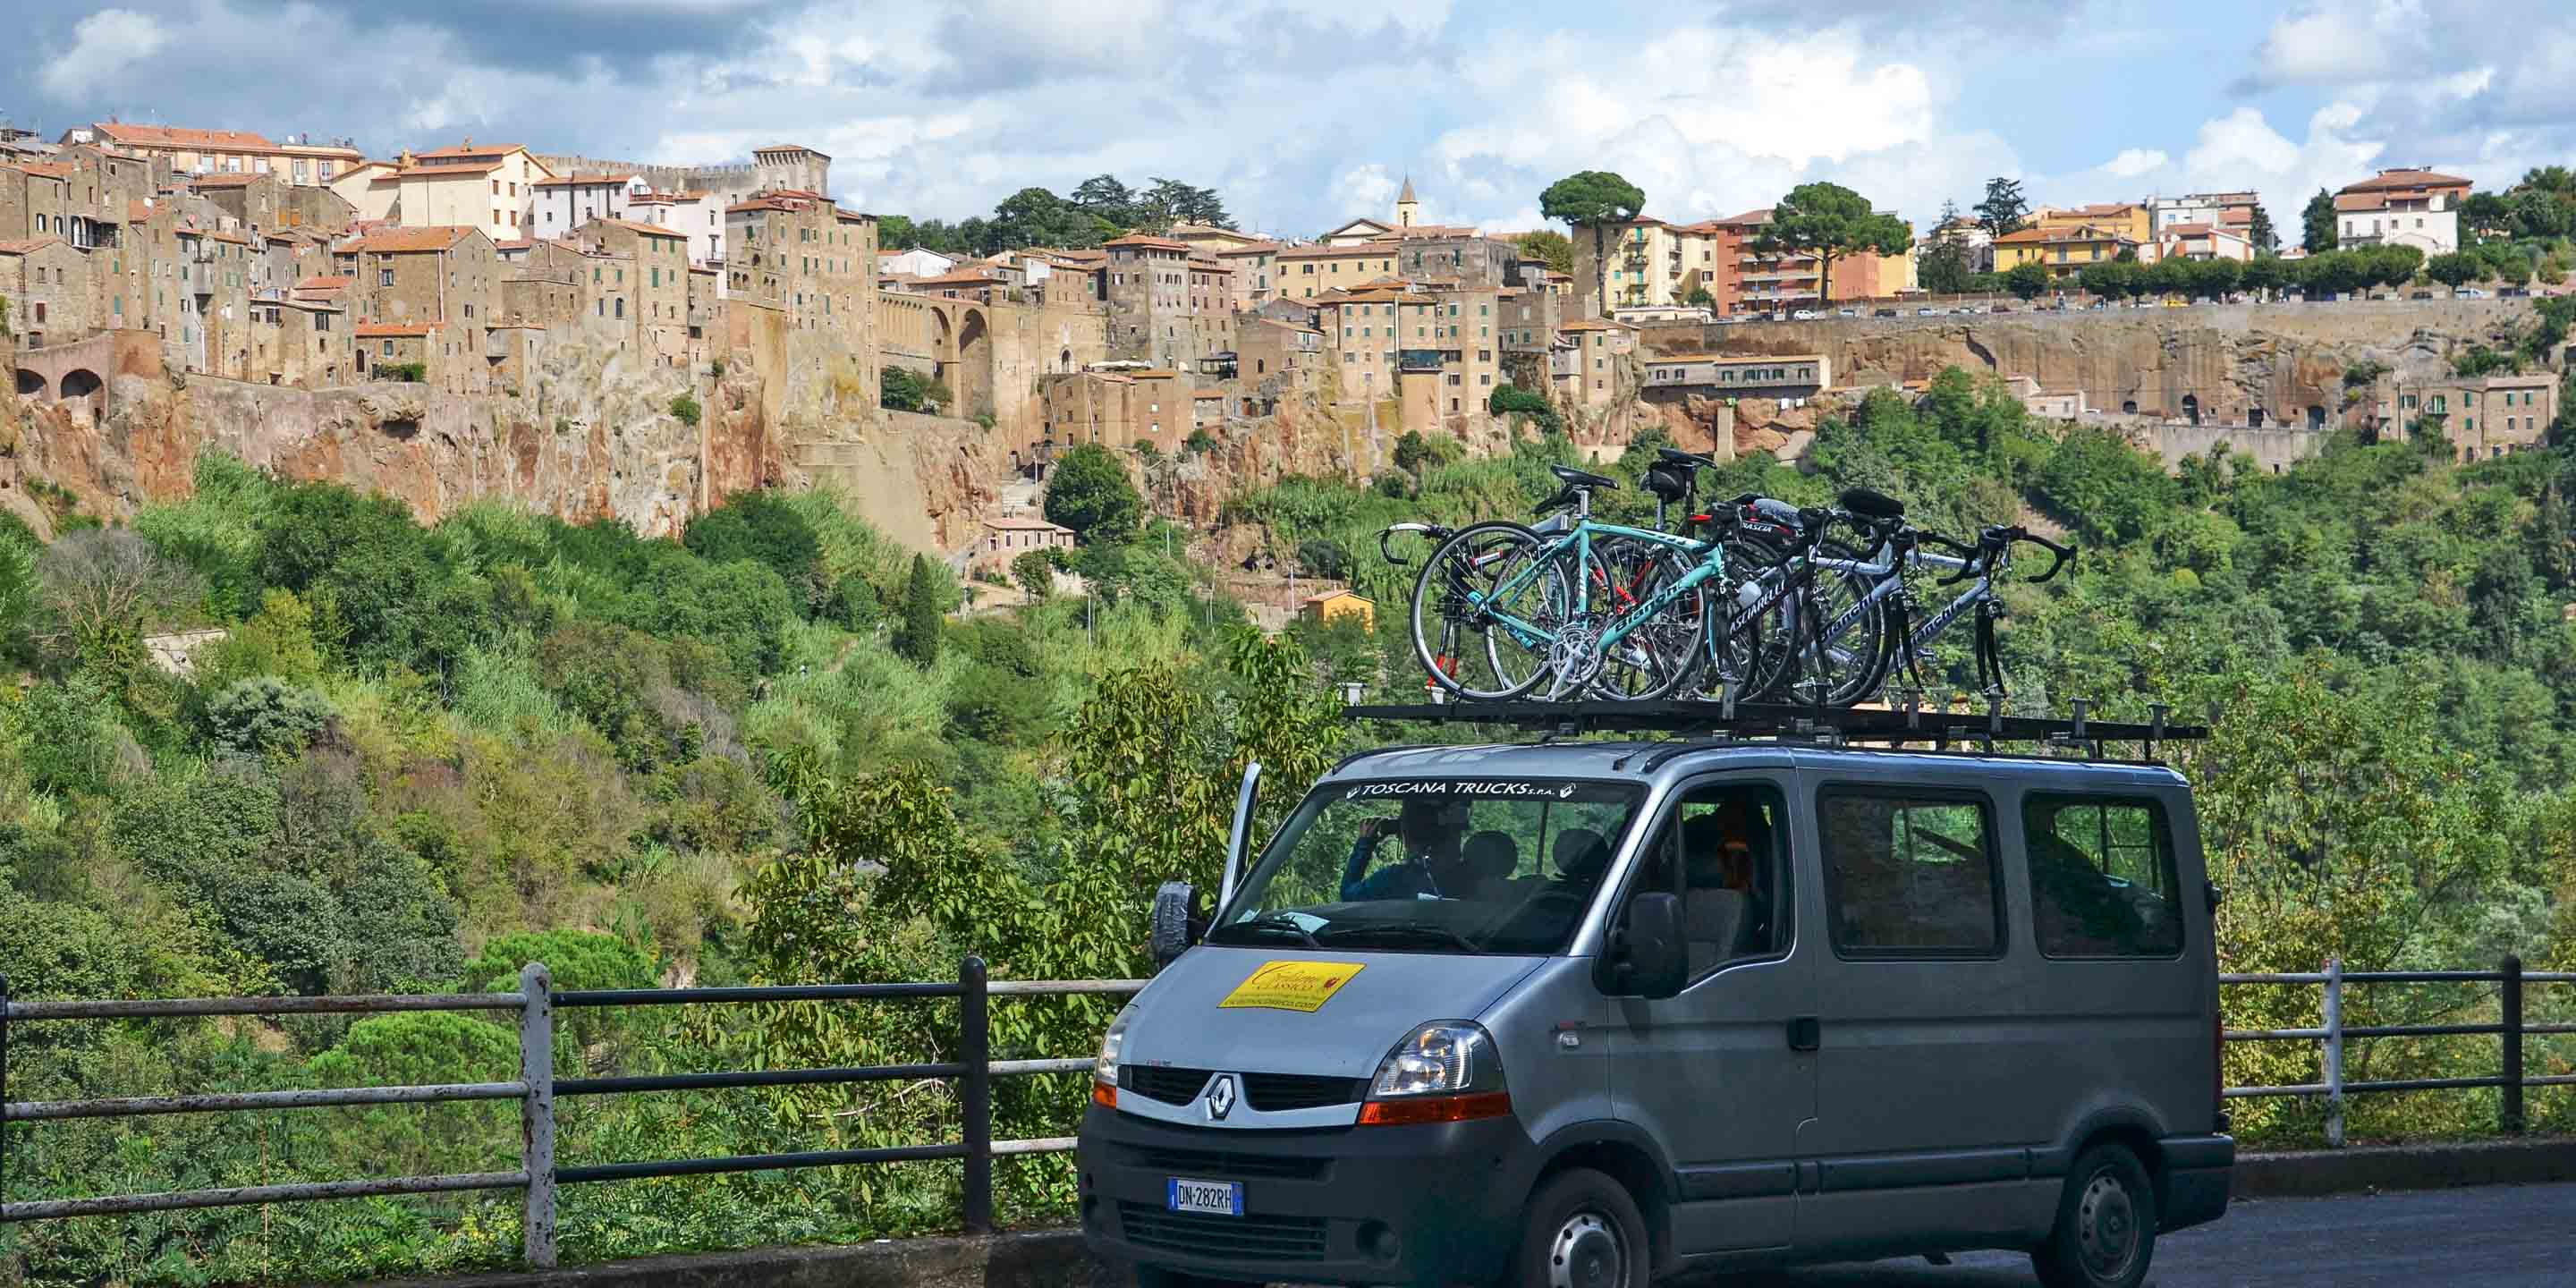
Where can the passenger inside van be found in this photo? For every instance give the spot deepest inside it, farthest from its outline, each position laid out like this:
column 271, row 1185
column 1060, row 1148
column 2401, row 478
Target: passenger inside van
column 1726, row 853
column 1430, row 832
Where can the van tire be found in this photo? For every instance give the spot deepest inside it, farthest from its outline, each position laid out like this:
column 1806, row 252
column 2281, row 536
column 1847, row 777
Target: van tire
column 1584, row 1215
column 2105, row 1234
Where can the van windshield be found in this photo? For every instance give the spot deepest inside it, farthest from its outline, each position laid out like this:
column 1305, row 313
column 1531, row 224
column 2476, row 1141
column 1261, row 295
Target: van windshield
column 1438, row 865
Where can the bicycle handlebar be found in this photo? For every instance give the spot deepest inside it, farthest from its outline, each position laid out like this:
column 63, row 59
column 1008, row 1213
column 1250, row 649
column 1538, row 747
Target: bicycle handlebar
column 1991, row 545
column 1432, row 532
column 2060, row 553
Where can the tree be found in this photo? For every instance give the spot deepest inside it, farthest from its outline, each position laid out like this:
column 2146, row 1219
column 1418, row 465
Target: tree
column 1089, row 492
column 901, row 389
column 2107, row 281
column 2026, row 281
column 2261, row 233
column 1033, row 571
column 1594, row 199
column 1830, row 222
column 1943, row 265
column 2003, row 211
column 104, row 589
column 1552, row 246
column 2454, row 270
column 2317, row 223
column 2266, row 274
column 916, row 635
column 265, row 715
column 2485, row 214
column 1037, row 217
column 1103, row 196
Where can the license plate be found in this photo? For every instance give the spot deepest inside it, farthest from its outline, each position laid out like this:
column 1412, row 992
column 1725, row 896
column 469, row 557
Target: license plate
column 1214, row 1198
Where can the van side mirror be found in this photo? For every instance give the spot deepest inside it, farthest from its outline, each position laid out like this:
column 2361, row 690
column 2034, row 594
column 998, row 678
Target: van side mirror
column 1172, row 933
column 1647, row 957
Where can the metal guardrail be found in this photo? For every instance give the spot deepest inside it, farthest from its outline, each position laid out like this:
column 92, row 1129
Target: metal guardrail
column 2510, row 1029
column 537, row 1089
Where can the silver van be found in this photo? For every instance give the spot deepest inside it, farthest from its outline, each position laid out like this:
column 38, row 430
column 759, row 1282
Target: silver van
column 1589, row 1013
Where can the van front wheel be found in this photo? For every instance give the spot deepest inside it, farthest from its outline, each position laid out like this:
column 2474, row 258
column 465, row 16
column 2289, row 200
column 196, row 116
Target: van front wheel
column 1582, row 1231
column 2106, row 1223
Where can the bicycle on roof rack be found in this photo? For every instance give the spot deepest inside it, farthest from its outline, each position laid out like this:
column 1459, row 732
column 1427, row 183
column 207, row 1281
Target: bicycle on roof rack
column 1584, row 607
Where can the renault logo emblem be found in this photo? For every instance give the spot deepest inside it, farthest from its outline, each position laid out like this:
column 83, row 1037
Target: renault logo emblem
column 1220, row 1097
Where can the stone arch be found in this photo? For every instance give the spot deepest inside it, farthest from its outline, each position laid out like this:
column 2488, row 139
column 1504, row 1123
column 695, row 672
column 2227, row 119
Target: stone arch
column 2129, row 408
column 31, row 383
column 81, row 382
column 2254, row 418
column 2316, row 416
column 1064, row 360
column 2191, row 408
column 974, row 382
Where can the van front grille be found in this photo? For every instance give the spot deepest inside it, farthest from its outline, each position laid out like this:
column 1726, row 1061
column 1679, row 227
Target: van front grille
column 1268, row 1238
column 1273, row 1092
column 1268, row 1092
column 1221, row 1165
column 1163, row 1083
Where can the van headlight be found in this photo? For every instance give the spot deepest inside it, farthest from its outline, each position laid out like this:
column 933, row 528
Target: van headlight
column 1104, row 1066
column 1443, row 1072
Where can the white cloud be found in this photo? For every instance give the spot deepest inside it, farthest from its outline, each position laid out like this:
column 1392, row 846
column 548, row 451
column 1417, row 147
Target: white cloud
column 2133, row 162
column 2341, row 42
column 103, row 44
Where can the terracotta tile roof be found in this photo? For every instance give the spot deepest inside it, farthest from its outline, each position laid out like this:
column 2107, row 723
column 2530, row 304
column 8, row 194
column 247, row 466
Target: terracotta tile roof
column 2349, row 200
column 1197, row 267
column 171, row 136
column 1155, row 243
column 2188, row 230
column 962, row 277
column 235, row 238
column 394, row 330
column 2386, row 180
column 1596, row 324
column 1336, row 252
column 27, row 247
column 331, row 282
column 138, row 212
column 456, row 171
column 648, row 230
column 1425, row 230
column 585, row 181
column 2051, row 236
column 46, row 170
column 1026, row 525
column 516, row 243
column 463, row 150
column 222, row 180
column 399, row 241
column 1252, row 248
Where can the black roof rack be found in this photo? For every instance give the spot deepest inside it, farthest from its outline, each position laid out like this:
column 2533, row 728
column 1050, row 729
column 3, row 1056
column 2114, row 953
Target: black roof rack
column 1895, row 727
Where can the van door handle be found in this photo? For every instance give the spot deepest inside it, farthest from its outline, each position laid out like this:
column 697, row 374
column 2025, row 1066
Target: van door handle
column 1804, row 1033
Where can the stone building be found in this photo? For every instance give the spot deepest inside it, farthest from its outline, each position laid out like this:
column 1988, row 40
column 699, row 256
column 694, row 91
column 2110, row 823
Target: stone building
column 703, row 194
column 192, row 151
column 1117, row 409
column 1307, row 271
column 46, row 284
column 1255, row 266
column 1582, row 365
column 1163, row 307
column 2485, row 417
column 696, row 213
column 391, row 350
column 658, row 298
column 567, row 202
column 414, row 277
column 35, row 200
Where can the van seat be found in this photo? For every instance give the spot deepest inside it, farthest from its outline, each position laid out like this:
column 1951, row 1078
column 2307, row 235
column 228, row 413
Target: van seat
column 1713, row 921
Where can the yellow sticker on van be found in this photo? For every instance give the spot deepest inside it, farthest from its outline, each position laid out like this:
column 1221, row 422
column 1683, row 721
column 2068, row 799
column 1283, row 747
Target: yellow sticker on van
column 1292, row 986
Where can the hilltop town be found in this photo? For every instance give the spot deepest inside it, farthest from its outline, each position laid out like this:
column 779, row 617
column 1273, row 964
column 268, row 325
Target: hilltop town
column 683, row 332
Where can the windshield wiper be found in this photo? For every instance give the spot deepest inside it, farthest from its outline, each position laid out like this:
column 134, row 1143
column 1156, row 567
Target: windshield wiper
column 1404, row 929
column 1275, row 922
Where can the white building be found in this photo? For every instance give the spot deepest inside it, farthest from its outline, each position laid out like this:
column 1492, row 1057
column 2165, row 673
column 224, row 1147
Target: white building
column 697, row 213
column 917, row 262
column 2404, row 207
column 2233, row 211
column 569, row 202
column 2198, row 241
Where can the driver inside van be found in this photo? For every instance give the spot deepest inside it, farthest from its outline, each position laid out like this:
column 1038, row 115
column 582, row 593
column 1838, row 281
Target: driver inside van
column 1432, row 833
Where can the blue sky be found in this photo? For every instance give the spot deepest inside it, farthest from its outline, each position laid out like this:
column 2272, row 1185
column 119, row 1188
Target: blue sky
column 1306, row 112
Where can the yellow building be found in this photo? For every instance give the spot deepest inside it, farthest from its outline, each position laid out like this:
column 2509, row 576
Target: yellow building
column 2132, row 220
column 2061, row 250
column 492, row 187
column 1338, row 605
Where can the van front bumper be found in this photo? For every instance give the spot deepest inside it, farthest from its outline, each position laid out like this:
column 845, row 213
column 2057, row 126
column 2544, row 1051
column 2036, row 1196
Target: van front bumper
column 1430, row 1204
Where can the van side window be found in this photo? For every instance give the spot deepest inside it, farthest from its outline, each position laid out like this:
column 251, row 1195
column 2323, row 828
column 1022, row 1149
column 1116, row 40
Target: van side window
column 2101, row 876
column 1910, row 875
column 1723, row 849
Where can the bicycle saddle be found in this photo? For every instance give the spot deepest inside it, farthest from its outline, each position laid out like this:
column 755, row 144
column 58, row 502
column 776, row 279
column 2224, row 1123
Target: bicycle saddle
column 1572, row 477
column 1871, row 505
column 1687, row 460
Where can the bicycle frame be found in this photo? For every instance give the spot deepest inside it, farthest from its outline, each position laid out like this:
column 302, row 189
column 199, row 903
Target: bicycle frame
column 1710, row 562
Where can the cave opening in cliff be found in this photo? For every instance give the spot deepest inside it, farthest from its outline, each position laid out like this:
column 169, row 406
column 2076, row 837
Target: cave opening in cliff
column 401, row 427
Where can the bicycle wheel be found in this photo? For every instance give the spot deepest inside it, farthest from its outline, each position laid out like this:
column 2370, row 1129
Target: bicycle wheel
column 1486, row 608
column 1660, row 653
column 1840, row 643
column 1738, row 649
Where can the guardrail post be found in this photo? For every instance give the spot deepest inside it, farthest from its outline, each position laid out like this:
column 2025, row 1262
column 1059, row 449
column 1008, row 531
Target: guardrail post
column 975, row 1092
column 2512, row 1115
column 2334, row 1052
column 4, row 1087
column 537, row 1113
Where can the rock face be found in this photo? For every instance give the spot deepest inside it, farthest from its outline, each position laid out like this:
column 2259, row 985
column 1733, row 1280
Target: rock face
column 2227, row 363
column 594, row 436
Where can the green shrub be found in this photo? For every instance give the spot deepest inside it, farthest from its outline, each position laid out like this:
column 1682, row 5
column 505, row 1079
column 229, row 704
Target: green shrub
column 685, row 410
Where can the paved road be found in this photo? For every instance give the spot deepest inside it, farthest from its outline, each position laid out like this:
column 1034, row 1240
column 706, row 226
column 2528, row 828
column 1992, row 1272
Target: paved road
column 2494, row 1237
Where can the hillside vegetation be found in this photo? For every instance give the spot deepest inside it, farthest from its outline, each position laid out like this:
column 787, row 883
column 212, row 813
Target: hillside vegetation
column 424, row 755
